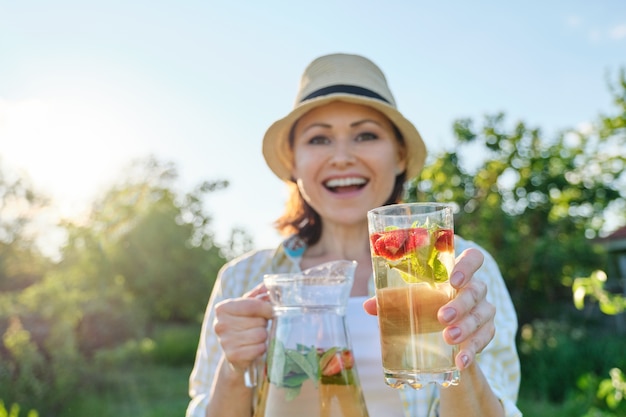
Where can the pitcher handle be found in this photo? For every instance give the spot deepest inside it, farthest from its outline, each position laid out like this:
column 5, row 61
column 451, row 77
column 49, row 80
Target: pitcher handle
column 250, row 375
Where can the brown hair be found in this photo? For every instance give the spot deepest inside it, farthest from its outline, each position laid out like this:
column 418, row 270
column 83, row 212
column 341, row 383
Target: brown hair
column 301, row 219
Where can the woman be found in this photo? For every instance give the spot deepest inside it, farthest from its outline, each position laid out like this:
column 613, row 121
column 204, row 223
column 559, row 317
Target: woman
column 343, row 150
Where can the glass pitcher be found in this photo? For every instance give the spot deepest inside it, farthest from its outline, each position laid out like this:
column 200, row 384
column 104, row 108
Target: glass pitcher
column 309, row 368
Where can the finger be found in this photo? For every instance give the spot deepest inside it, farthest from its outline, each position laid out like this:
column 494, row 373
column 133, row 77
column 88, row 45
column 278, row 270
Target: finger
column 245, row 307
column 242, row 356
column 257, row 291
column 467, row 263
column 228, row 324
column 235, row 341
column 242, row 348
column 471, row 347
column 465, row 328
column 370, row 306
column 465, row 301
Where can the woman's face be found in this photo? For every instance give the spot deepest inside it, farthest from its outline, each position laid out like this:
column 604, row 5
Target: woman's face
column 346, row 159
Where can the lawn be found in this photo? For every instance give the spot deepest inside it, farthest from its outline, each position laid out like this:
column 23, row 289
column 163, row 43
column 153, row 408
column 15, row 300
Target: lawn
column 161, row 391
column 148, row 391
column 156, row 385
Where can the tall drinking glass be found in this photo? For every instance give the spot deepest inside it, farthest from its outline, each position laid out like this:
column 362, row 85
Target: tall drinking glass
column 412, row 247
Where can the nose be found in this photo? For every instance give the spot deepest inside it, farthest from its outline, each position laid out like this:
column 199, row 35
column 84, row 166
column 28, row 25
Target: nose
column 343, row 155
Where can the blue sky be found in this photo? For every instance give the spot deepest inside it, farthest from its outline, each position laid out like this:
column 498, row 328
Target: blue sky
column 86, row 86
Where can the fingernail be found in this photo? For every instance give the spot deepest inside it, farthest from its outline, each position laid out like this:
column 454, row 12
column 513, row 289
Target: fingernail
column 448, row 314
column 454, row 332
column 457, row 278
column 465, row 360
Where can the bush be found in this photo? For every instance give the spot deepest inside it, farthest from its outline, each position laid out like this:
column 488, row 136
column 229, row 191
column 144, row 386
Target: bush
column 128, row 353
column 171, row 345
column 176, row 344
column 28, row 376
column 14, row 411
column 554, row 356
column 50, row 330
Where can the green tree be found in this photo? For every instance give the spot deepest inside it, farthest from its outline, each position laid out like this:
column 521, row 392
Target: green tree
column 155, row 241
column 35, row 352
column 610, row 398
column 21, row 262
column 533, row 202
column 146, row 253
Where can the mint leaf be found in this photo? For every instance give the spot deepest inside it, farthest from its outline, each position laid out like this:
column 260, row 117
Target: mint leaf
column 303, row 363
column 292, row 393
column 295, row 380
column 440, row 271
column 276, row 363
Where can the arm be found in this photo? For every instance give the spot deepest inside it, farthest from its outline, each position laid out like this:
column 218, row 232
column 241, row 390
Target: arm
column 229, row 396
column 240, row 325
column 490, row 374
column 211, row 376
column 472, row 397
column 470, row 323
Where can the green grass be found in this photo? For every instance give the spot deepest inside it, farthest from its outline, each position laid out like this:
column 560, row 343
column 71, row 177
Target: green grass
column 138, row 383
column 134, row 382
column 161, row 391
column 145, row 391
column 154, row 390
column 534, row 408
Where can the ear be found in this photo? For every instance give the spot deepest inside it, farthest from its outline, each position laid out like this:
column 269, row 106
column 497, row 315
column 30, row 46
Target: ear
column 401, row 162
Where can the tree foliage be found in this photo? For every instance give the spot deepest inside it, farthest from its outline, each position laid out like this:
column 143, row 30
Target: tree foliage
column 152, row 241
column 21, row 263
column 610, row 398
column 145, row 254
column 534, row 202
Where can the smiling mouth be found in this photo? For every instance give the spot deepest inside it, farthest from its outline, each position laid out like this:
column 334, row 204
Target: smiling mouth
column 340, row 185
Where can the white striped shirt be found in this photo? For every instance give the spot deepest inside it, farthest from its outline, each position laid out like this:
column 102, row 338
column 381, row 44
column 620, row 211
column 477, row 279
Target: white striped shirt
column 498, row 361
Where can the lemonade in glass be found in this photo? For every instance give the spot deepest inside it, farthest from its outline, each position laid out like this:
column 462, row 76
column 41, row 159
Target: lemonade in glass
column 412, row 248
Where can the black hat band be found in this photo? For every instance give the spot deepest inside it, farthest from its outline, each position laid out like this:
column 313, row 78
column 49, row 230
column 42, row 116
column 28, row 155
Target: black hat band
column 347, row 89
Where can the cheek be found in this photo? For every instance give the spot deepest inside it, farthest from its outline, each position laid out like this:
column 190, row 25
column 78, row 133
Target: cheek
column 389, row 167
column 390, row 162
column 304, row 164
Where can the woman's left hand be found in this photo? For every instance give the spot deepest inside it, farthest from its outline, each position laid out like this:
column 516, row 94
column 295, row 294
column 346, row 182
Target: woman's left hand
column 469, row 317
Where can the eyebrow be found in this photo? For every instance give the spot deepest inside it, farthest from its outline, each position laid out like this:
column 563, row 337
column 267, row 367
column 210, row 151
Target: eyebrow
column 353, row 124
column 360, row 122
column 312, row 125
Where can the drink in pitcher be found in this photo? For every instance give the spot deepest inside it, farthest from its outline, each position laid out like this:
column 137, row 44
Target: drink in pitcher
column 309, row 369
column 314, row 383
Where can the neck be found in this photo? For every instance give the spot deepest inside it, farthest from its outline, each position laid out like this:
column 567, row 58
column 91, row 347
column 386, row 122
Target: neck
column 343, row 243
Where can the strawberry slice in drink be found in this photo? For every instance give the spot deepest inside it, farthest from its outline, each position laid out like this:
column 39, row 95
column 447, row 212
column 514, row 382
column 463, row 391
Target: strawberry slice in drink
column 334, row 361
column 395, row 244
column 445, row 240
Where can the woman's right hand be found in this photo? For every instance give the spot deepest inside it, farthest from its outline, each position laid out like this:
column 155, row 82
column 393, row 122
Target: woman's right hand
column 241, row 327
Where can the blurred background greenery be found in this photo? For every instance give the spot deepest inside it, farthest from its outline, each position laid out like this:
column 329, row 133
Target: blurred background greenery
column 110, row 327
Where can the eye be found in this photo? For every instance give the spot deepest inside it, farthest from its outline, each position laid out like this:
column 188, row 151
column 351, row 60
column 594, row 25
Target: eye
column 318, row 140
column 365, row 136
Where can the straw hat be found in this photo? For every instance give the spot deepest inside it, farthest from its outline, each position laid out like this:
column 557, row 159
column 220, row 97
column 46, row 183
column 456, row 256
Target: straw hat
column 344, row 77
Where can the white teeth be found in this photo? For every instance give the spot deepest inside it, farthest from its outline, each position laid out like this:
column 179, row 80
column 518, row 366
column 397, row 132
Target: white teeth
column 345, row 182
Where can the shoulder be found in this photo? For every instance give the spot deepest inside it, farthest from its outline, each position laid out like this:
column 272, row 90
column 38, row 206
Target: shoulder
column 249, row 262
column 246, row 271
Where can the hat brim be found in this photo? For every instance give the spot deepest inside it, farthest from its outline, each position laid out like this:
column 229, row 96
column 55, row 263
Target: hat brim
column 278, row 155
